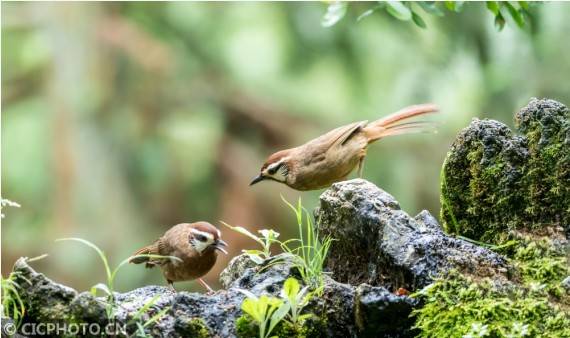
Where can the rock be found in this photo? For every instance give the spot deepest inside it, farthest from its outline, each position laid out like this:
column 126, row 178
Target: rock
column 379, row 244
column 378, row 249
column 380, row 313
column 494, row 180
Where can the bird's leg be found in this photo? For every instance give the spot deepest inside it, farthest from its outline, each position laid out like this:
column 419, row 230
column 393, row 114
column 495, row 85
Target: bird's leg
column 171, row 285
column 201, row 281
column 361, row 165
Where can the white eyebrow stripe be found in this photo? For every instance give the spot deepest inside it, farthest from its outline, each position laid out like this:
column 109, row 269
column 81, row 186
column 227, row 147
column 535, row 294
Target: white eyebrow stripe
column 198, row 232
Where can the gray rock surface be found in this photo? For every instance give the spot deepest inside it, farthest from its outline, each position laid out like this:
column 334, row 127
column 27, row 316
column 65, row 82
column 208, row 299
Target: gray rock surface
column 378, row 249
column 379, row 244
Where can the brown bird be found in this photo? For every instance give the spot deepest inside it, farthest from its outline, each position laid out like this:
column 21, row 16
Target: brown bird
column 333, row 156
column 193, row 244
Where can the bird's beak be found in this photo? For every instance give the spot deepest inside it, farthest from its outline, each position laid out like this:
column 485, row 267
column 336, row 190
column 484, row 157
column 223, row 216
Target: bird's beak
column 257, row 179
column 220, row 246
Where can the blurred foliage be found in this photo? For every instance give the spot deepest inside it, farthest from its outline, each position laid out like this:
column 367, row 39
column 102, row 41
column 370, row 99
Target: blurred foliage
column 516, row 11
column 120, row 120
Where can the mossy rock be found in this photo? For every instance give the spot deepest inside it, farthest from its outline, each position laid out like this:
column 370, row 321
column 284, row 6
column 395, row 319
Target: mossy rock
column 494, row 180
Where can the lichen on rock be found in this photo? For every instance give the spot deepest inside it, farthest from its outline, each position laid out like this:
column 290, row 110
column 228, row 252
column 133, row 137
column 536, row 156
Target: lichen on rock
column 494, row 180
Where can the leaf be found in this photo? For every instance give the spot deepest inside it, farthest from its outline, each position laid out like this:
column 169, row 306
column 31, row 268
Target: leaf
column 499, row 22
column 493, row 6
column 459, row 6
column 269, row 234
column 291, row 288
column 398, row 10
column 100, row 286
column 431, row 7
column 366, row 13
column 243, row 231
column 157, row 316
column 450, row 5
column 515, row 14
column 250, row 306
column 256, row 258
column 94, row 247
column 418, row 20
column 277, row 316
column 335, row 12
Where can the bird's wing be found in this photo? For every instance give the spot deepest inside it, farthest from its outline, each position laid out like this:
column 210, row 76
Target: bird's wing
column 159, row 247
column 336, row 137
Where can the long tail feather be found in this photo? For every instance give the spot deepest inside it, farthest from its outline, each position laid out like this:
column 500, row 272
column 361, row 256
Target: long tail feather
column 392, row 124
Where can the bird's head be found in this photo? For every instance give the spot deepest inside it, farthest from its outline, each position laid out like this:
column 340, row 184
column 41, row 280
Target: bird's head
column 206, row 237
column 276, row 168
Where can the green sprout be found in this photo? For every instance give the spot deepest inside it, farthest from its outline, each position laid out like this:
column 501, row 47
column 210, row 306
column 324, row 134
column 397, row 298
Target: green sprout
column 269, row 312
column 267, row 238
column 310, row 253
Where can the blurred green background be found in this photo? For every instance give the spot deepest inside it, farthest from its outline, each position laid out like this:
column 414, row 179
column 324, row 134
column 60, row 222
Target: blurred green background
column 120, row 120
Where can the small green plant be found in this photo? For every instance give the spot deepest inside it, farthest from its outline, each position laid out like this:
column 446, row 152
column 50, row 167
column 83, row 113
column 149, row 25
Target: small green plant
column 297, row 299
column 265, row 311
column 108, row 288
column 269, row 313
column 12, row 304
column 309, row 251
column 266, row 240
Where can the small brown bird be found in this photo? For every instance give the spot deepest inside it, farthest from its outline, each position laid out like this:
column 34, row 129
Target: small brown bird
column 194, row 244
column 333, row 156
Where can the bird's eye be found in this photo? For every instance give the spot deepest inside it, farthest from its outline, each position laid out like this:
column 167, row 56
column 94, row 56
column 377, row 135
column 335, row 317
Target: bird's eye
column 273, row 169
column 201, row 238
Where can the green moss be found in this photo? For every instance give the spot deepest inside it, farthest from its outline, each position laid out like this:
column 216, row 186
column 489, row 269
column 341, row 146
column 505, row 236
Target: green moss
column 193, row 327
column 494, row 181
column 457, row 305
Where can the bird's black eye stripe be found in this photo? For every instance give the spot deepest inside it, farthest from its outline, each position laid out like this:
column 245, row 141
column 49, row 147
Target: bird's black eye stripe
column 201, row 238
column 272, row 170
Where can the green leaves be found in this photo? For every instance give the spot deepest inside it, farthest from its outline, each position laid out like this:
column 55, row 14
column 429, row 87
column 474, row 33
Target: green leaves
column 335, row 12
column 268, row 237
column 267, row 312
column 515, row 12
column 398, row 10
column 296, row 297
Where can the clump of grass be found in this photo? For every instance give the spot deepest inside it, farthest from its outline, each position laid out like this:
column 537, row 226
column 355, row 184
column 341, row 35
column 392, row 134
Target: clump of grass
column 12, row 304
column 309, row 251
